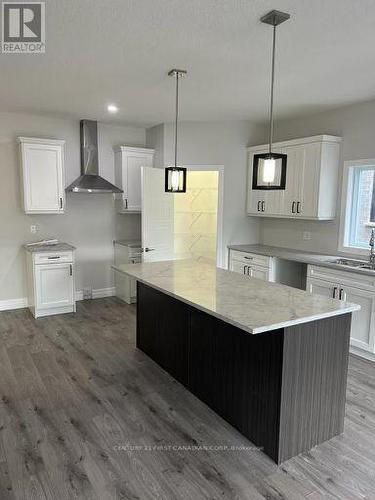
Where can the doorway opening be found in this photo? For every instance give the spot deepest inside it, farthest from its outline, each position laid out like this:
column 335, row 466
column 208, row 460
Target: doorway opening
column 184, row 225
column 196, row 217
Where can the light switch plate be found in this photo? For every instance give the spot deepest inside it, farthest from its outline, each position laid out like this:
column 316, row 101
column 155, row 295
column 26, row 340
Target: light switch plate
column 33, row 228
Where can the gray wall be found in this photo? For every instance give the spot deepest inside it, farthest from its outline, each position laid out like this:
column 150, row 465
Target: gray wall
column 89, row 223
column 356, row 124
column 218, row 143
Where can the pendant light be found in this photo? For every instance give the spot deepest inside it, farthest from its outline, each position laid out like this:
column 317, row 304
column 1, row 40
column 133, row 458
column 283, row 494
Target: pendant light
column 175, row 176
column 269, row 169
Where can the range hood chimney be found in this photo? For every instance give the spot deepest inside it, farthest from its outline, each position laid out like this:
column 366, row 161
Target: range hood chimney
column 90, row 180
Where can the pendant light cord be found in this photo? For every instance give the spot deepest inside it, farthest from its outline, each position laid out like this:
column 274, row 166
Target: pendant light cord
column 272, row 88
column 176, row 124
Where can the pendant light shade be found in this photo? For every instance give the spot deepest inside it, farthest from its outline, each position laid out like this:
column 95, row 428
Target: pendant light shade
column 175, row 180
column 175, row 176
column 269, row 169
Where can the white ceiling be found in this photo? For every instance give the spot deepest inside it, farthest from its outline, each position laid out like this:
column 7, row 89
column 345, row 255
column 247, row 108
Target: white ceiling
column 103, row 51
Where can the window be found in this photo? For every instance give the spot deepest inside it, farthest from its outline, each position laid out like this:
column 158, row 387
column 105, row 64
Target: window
column 359, row 204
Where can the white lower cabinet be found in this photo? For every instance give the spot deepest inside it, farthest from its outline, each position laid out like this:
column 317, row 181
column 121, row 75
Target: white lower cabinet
column 50, row 283
column 54, row 285
column 252, row 265
column 339, row 285
column 321, row 287
column 261, row 273
column 126, row 253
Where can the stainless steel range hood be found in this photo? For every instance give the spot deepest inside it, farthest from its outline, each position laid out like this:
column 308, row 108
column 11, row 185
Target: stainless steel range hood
column 90, row 180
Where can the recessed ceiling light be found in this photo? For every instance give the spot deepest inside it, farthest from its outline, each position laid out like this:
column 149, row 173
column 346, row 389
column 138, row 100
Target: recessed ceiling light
column 112, row 108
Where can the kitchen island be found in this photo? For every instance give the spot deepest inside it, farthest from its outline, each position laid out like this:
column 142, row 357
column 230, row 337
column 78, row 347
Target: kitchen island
column 270, row 359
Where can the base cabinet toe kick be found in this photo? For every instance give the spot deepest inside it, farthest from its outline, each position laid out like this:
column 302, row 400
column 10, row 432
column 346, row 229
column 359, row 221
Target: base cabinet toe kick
column 284, row 390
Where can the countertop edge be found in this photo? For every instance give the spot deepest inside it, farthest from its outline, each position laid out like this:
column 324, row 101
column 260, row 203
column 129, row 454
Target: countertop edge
column 300, row 256
column 252, row 331
column 59, row 247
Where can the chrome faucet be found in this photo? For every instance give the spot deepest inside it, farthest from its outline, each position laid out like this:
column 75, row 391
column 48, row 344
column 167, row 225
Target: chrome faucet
column 372, row 254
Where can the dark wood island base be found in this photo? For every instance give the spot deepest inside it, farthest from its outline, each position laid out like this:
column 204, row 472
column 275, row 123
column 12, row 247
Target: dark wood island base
column 284, row 390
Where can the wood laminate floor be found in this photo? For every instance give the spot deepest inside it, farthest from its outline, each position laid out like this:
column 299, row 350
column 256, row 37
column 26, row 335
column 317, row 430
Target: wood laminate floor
column 84, row 415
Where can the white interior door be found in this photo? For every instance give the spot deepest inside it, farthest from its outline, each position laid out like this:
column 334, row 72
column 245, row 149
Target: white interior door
column 157, row 217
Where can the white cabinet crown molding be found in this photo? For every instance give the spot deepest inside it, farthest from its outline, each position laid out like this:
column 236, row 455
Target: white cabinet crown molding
column 297, row 142
column 37, row 140
column 133, row 150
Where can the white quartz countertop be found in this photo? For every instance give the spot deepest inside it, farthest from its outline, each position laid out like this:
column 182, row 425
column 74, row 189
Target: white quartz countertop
column 253, row 305
column 313, row 258
column 58, row 247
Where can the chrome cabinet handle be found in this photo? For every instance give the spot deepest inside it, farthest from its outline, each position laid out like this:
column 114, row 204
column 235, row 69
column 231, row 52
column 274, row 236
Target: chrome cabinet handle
column 126, row 203
column 263, row 205
column 334, row 292
column 251, row 272
column 54, row 258
column 70, row 270
column 298, row 207
column 293, row 207
column 341, row 293
column 149, row 249
column 244, row 269
column 61, row 203
column 258, row 206
column 248, row 258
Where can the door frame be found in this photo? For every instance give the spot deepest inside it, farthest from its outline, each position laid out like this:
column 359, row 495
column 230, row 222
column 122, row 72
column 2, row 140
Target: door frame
column 220, row 203
column 220, row 254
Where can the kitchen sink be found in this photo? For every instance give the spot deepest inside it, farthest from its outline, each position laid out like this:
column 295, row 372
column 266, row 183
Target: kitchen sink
column 360, row 264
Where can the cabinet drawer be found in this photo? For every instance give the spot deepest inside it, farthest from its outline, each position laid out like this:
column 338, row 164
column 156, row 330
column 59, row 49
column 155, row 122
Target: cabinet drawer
column 53, row 257
column 347, row 278
column 250, row 258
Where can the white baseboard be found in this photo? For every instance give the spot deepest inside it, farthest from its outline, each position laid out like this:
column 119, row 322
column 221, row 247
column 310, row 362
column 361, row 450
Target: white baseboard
column 98, row 293
column 6, row 305
column 361, row 353
column 103, row 292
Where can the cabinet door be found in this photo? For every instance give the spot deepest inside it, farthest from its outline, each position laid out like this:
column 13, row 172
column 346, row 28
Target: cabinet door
column 362, row 330
column 308, row 191
column 254, row 196
column 302, row 180
column 263, row 201
column 54, row 285
column 43, row 178
column 238, row 267
column 132, row 184
column 294, row 178
column 261, row 273
column 321, row 287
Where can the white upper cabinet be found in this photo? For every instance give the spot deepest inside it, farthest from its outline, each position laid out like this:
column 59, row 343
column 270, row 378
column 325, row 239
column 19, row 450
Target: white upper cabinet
column 128, row 163
column 311, row 180
column 42, row 175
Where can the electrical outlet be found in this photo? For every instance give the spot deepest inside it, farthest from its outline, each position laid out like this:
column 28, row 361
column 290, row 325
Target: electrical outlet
column 33, row 228
column 306, row 235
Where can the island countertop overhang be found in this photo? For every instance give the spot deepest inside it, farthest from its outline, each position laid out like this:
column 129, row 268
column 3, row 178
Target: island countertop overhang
column 250, row 304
